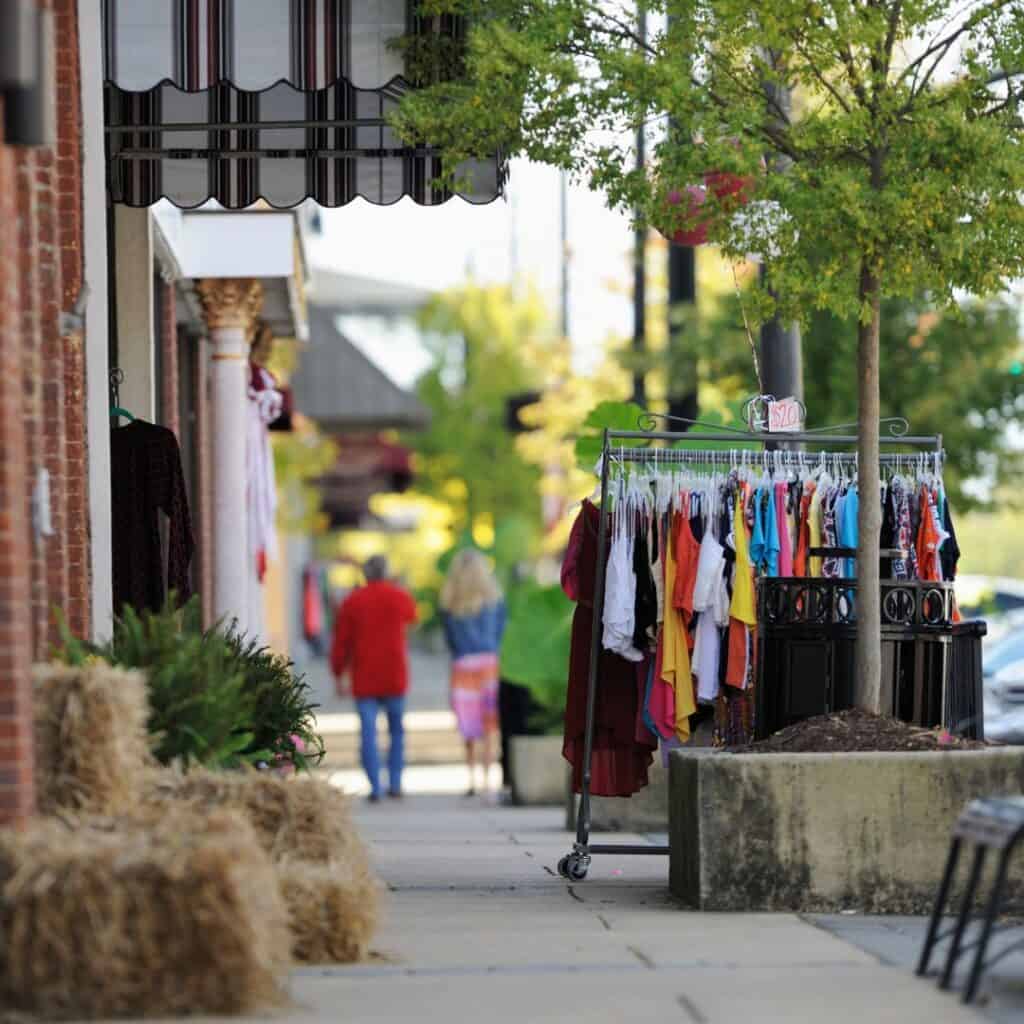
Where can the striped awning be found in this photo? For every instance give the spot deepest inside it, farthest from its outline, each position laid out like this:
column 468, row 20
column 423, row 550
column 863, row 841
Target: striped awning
column 279, row 100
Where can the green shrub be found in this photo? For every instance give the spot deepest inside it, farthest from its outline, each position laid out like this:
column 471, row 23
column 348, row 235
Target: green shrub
column 216, row 698
column 282, row 710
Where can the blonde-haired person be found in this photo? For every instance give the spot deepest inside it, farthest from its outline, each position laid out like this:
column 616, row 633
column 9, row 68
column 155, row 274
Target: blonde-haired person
column 473, row 613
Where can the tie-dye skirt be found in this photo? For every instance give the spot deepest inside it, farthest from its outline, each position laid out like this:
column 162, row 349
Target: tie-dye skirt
column 475, row 695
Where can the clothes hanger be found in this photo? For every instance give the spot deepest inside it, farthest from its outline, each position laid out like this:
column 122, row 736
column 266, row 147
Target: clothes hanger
column 116, row 412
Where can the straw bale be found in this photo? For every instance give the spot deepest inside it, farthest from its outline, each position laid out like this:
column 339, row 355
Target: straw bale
column 332, row 910
column 299, row 819
column 91, row 742
column 116, row 919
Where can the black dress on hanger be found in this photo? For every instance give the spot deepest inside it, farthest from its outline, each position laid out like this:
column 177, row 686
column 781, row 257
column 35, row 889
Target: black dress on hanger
column 146, row 479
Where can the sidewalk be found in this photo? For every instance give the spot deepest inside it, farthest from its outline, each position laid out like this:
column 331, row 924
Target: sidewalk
column 478, row 926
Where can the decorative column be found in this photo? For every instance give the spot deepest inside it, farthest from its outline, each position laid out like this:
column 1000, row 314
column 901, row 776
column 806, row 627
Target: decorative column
column 230, row 306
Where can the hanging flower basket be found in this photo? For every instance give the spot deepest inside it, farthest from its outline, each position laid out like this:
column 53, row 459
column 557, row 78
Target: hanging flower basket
column 730, row 191
column 692, row 198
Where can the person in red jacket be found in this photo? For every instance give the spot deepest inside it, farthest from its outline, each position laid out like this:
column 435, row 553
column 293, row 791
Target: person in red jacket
column 370, row 645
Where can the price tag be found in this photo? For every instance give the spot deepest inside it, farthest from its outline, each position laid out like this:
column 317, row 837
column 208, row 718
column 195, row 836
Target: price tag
column 784, row 417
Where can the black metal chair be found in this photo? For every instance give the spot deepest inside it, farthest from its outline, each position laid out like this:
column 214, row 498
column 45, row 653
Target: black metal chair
column 994, row 823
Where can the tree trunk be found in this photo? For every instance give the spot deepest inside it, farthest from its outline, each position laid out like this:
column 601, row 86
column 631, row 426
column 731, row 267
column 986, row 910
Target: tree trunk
column 867, row 689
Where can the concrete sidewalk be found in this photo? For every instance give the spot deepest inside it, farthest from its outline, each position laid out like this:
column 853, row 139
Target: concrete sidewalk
column 479, row 927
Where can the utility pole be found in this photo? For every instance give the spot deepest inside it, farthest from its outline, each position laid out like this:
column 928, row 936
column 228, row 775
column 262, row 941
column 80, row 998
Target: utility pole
column 781, row 354
column 683, row 397
column 640, row 257
column 681, row 369
column 564, row 228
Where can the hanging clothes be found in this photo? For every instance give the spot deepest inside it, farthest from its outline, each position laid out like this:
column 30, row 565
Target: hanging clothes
column 930, row 537
column 620, row 595
column 772, row 543
column 816, row 531
column 904, row 566
column 146, row 479
column 849, row 536
column 619, row 765
column 744, row 603
column 675, row 666
column 831, row 566
column 802, row 561
column 707, row 652
column 758, row 533
column 687, row 557
column 645, row 615
column 265, row 405
column 785, row 535
column 949, row 553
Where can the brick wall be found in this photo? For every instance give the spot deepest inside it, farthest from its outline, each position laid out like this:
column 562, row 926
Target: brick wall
column 33, row 176
column 42, row 411
column 16, row 795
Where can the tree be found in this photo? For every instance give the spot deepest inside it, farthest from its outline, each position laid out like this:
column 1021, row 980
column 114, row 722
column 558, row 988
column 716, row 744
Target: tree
column 488, row 347
column 899, row 181
column 952, row 373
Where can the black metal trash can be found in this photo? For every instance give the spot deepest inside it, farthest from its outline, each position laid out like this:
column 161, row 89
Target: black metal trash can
column 931, row 666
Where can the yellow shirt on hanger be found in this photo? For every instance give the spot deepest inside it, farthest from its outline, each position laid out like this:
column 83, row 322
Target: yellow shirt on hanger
column 675, row 654
column 744, row 604
column 814, row 525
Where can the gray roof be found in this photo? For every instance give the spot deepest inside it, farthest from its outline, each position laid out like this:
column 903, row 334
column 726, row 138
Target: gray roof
column 350, row 293
column 342, row 389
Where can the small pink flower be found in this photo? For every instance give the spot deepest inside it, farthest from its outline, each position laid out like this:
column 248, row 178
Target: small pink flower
column 946, row 738
column 298, row 743
column 286, row 769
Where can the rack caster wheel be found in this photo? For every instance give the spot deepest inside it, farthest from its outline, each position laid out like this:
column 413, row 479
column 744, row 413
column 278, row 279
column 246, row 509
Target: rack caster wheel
column 574, row 866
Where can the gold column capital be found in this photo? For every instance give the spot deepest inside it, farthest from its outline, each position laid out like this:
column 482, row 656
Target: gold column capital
column 230, row 301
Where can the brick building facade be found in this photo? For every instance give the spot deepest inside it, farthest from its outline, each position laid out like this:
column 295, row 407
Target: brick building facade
column 42, row 405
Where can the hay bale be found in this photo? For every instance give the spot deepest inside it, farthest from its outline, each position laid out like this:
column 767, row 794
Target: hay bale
column 91, row 742
column 332, row 910
column 297, row 819
column 115, row 919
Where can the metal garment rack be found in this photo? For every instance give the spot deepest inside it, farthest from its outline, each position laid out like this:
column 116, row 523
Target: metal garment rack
column 575, row 864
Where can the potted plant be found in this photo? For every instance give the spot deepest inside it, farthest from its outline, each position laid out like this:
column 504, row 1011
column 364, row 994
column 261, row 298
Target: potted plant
column 535, row 654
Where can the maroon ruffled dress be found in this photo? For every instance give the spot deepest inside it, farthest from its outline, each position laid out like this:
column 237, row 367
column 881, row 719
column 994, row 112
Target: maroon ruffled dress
column 620, row 756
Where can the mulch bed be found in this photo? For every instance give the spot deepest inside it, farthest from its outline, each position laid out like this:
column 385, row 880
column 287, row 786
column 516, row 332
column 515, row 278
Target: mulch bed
column 852, row 731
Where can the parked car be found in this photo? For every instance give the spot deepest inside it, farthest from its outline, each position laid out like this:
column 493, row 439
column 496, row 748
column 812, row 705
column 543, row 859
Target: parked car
column 1003, row 676
column 997, row 600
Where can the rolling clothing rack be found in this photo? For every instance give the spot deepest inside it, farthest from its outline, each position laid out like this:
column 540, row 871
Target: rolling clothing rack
column 575, row 864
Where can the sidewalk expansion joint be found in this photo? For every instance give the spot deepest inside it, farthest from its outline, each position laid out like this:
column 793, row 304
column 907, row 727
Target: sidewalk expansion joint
column 690, row 1009
column 643, row 958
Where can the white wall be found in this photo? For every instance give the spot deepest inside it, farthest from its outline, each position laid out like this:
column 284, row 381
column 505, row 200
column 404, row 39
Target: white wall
column 94, row 191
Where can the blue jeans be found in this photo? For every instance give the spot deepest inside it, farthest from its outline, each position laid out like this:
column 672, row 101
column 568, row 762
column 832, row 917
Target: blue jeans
column 368, row 708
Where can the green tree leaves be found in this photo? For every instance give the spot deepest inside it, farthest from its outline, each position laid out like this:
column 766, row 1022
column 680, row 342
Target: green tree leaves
column 899, row 153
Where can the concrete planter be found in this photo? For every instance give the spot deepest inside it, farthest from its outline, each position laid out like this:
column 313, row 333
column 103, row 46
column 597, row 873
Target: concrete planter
column 540, row 776
column 823, row 832
column 646, row 811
